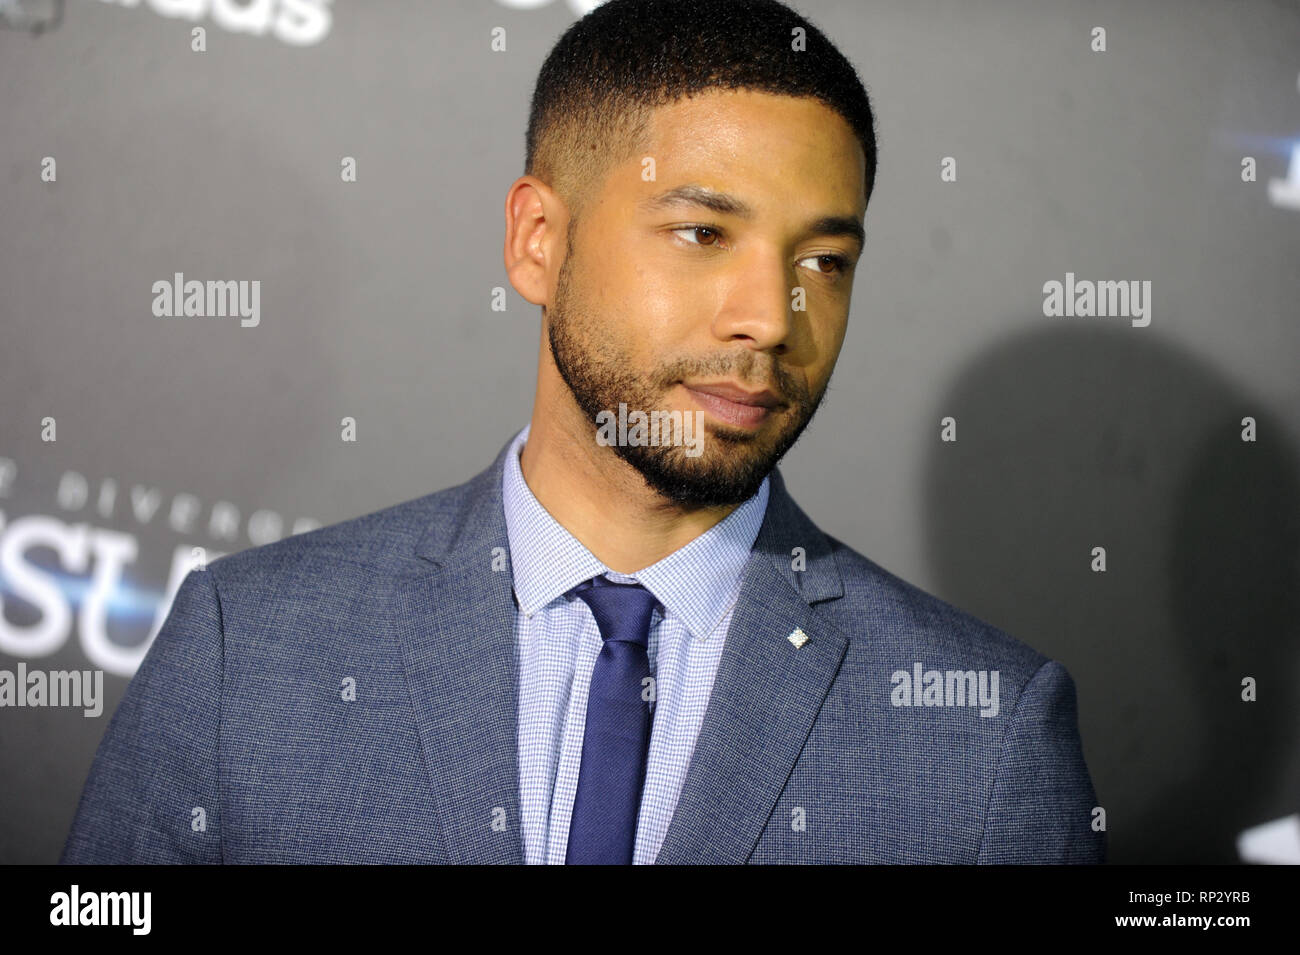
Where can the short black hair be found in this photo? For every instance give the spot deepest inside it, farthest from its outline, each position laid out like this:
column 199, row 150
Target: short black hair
column 610, row 69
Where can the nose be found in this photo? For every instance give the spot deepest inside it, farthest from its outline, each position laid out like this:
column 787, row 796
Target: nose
column 759, row 305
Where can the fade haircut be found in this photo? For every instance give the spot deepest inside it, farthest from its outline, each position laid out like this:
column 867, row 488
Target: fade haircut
column 603, row 78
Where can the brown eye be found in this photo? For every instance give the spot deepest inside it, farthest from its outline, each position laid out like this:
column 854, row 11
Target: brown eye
column 838, row 264
column 700, row 235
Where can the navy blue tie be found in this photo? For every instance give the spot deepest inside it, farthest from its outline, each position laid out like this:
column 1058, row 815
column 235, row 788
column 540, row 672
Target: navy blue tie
column 617, row 733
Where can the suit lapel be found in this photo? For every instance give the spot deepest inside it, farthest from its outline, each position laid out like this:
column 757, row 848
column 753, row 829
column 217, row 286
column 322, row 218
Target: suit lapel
column 766, row 695
column 455, row 619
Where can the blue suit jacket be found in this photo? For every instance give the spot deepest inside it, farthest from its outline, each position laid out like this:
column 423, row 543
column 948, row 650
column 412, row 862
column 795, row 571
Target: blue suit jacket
column 236, row 740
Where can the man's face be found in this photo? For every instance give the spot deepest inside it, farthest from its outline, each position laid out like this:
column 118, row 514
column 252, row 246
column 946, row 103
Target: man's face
column 667, row 297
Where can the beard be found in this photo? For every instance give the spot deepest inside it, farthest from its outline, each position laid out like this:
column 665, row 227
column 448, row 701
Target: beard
column 733, row 462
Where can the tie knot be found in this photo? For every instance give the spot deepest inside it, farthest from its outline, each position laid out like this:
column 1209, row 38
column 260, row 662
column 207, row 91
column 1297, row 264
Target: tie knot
column 622, row 611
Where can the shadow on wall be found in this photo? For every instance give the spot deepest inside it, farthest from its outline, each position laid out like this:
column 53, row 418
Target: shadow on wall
column 1078, row 438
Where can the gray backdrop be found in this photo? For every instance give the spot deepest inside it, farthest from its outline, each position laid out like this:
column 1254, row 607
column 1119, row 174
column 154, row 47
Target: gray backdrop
column 376, row 304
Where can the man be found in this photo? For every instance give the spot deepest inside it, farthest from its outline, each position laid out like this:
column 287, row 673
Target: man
column 623, row 642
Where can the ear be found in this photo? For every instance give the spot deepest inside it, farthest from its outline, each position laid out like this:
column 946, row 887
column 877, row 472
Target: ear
column 536, row 220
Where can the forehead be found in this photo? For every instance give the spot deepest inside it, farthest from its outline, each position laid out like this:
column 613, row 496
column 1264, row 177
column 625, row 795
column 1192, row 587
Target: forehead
column 779, row 150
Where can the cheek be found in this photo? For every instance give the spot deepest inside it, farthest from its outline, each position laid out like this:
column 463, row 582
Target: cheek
column 619, row 282
column 827, row 340
column 643, row 293
column 836, row 339
column 657, row 305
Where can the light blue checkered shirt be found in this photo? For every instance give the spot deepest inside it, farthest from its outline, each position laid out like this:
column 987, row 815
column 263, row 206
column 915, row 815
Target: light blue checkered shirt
column 558, row 642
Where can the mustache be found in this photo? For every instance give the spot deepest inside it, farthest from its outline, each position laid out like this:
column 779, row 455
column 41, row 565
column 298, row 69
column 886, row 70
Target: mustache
column 744, row 370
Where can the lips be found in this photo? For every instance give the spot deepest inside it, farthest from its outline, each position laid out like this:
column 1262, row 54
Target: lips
column 734, row 405
column 765, row 398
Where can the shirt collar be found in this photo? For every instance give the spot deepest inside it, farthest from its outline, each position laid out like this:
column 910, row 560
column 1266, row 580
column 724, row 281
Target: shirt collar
column 696, row 582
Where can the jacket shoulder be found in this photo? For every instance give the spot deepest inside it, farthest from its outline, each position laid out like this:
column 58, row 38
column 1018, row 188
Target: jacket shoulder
column 899, row 616
column 371, row 542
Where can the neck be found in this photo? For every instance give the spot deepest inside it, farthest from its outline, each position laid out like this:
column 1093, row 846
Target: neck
column 597, row 496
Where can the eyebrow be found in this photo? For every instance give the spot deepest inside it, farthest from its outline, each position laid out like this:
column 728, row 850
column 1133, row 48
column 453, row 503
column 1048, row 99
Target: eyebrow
column 726, row 204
